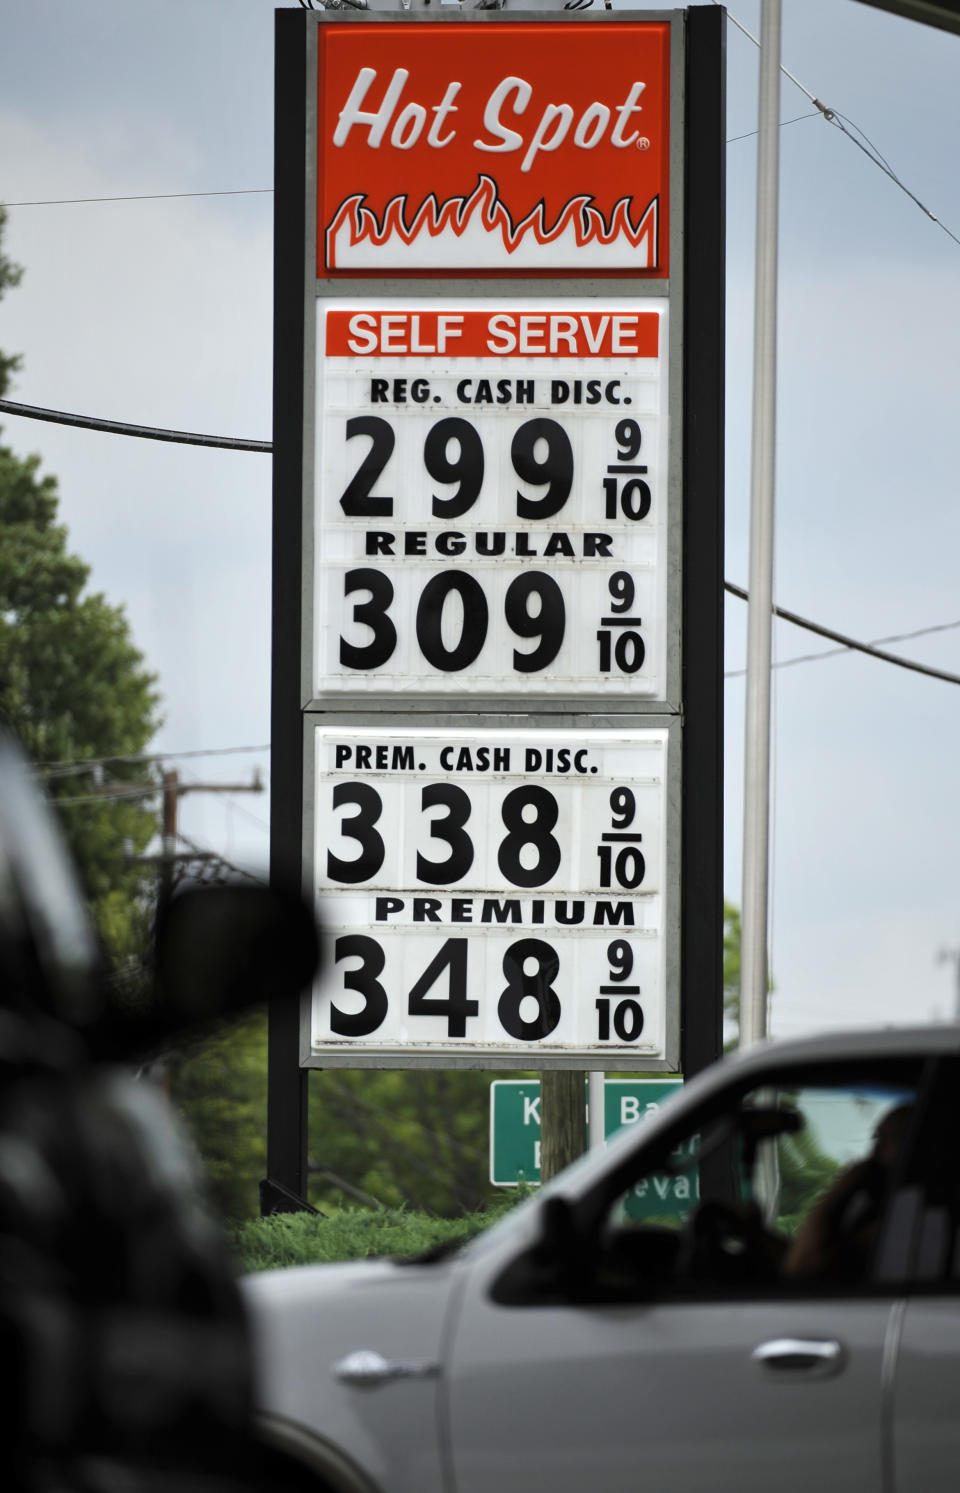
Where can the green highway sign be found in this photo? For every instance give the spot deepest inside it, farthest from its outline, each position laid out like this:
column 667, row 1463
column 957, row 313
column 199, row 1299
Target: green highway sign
column 515, row 1120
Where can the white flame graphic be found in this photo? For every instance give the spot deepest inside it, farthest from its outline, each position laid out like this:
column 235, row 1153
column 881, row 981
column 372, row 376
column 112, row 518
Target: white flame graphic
column 477, row 232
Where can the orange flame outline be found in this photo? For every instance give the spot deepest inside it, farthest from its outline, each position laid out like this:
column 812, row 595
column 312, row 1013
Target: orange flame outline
column 456, row 214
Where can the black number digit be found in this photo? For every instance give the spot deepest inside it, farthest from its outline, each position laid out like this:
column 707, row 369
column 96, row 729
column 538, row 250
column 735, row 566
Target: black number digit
column 634, row 498
column 628, row 866
column 364, row 981
column 534, row 831
column 622, row 591
column 358, row 827
column 548, row 622
column 555, row 471
column 628, row 1020
column 628, row 651
column 623, row 807
column 629, row 440
column 620, row 960
column 454, row 1005
column 458, row 862
column 473, row 632
column 538, row 986
column 373, row 614
column 357, row 500
column 467, row 469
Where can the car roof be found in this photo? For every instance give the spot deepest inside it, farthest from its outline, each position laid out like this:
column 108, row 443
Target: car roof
column 933, row 1039
column 753, row 1064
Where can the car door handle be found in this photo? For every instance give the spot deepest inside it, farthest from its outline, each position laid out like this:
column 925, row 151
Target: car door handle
column 811, row 1357
column 368, row 1368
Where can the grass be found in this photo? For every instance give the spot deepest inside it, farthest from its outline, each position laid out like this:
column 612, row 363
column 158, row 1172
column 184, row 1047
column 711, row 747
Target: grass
column 354, row 1234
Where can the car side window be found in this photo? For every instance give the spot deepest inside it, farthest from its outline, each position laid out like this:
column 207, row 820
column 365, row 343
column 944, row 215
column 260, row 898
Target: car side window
column 786, row 1188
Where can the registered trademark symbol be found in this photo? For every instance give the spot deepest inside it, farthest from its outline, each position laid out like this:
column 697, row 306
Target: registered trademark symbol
column 643, row 143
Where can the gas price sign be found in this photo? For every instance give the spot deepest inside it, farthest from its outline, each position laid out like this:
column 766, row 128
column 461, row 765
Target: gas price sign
column 500, row 894
column 491, row 498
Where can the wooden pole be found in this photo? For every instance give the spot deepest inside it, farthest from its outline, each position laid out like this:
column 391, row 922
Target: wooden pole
column 563, row 1120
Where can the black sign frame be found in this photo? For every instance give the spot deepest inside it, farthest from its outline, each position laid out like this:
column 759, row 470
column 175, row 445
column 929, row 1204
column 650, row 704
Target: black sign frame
column 701, row 849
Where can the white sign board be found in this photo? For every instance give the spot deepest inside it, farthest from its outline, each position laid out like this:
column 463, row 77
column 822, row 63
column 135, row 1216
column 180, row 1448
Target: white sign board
column 491, row 499
column 491, row 894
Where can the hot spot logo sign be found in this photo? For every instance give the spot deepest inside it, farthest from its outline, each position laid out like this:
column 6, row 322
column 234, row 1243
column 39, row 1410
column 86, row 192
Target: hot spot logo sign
column 530, row 148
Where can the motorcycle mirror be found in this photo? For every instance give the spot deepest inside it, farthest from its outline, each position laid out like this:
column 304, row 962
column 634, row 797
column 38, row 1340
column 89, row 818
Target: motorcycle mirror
column 218, row 950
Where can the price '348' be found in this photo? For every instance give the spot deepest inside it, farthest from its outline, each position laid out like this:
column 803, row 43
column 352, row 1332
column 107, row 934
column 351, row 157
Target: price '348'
column 528, row 1007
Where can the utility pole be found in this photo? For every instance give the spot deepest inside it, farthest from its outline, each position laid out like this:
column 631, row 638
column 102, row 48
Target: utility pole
column 173, row 790
column 563, row 1119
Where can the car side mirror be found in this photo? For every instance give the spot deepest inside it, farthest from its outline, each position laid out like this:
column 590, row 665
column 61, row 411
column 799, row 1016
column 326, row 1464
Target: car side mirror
column 550, row 1268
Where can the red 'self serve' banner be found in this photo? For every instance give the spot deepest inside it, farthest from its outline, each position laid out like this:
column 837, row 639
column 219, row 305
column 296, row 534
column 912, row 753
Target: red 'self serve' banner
column 462, row 148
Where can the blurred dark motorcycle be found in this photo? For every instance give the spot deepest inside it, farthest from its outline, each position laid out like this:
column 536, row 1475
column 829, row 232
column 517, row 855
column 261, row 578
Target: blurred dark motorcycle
column 122, row 1335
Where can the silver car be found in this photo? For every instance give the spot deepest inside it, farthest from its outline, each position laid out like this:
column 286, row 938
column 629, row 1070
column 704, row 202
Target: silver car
column 756, row 1289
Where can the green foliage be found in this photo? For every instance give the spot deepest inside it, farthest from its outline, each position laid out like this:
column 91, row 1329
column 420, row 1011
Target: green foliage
column 414, row 1137
column 9, row 277
column 73, row 686
column 805, row 1174
column 219, row 1088
column 731, row 962
column 306, row 1239
column 393, row 1138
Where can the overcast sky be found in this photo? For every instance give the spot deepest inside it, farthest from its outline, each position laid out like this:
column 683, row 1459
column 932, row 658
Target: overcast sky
column 159, row 312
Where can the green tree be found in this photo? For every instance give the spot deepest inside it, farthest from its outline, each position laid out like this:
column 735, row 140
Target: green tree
column 396, row 1137
column 417, row 1137
column 9, row 277
column 731, row 964
column 73, row 687
column 219, row 1088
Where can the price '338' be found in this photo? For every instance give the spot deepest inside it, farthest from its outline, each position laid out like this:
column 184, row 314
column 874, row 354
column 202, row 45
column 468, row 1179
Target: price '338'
column 528, row 855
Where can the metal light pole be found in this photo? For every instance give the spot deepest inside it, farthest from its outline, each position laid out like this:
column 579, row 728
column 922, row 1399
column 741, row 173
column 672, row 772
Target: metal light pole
column 756, row 817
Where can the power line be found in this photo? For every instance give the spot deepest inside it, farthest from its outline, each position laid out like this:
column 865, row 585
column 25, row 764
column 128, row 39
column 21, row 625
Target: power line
column 848, row 642
column 246, row 191
column 841, row 122
column 121, row 427
column 112, row 795
column 732, row 139
column 115, row 427
column 79, row 764
column 139, row 197
column 813, row 658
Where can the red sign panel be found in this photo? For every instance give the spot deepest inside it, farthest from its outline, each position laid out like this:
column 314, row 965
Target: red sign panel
column 532, row 149
column 507, row 334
